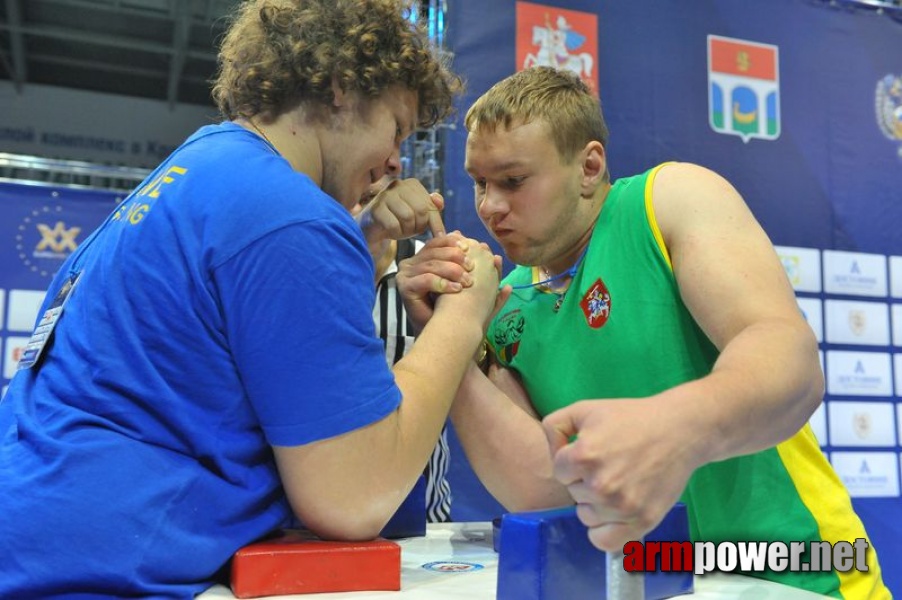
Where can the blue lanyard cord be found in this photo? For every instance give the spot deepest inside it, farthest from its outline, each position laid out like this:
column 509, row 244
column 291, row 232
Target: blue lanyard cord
column 571, row 272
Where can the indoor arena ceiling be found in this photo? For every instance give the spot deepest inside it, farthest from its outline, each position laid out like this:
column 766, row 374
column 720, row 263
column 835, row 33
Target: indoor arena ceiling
column 159, row 49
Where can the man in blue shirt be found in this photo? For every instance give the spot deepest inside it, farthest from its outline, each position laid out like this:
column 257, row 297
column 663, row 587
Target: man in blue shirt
column 214, row 372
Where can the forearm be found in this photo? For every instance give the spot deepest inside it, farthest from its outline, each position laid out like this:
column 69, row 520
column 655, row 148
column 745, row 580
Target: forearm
column 763, row 388
column 348, row 487
column 429, row 376
column 506, row 446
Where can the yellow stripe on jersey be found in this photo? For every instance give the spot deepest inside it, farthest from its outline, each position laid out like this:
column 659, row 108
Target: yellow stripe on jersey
column 650, row 214
column 826, row 498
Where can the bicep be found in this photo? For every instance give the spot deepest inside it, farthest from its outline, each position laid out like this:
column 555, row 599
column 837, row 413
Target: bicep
column 727, row 271
column 300, row 330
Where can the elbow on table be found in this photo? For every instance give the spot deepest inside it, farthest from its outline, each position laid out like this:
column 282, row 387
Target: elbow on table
column 525, row 502
column 346, row 527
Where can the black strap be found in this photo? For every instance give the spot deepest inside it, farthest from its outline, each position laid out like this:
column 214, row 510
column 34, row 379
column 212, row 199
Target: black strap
column 406, row 249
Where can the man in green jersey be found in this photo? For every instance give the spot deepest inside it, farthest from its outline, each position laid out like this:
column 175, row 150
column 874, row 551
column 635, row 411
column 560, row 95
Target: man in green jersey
column 651, row 322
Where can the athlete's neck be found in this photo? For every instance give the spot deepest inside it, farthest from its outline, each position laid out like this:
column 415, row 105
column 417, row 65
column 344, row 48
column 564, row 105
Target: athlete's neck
column 567, row 259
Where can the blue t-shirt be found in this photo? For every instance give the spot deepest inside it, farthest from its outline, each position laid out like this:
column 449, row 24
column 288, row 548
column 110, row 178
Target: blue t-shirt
column 224, row 307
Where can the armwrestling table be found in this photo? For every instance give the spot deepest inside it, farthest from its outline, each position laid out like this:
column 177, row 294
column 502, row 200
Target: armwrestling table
column 457, row 561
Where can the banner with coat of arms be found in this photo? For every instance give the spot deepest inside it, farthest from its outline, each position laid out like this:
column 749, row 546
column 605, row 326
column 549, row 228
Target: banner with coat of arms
column 798, row 103
column 744, row 85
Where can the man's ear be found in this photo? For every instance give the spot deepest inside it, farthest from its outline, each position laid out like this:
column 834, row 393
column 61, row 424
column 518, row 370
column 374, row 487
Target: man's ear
column 595, row 167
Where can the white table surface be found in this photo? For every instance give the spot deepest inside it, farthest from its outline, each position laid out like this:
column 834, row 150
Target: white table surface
column 472, row 543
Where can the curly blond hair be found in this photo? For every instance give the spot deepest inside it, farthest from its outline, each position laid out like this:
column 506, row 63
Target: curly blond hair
column 278, row 54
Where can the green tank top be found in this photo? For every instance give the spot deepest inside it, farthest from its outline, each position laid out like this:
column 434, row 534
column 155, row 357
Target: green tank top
column 622, row 331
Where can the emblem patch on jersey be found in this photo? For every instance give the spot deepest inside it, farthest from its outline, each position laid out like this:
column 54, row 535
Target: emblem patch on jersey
column 596, row 304
column 508, row 331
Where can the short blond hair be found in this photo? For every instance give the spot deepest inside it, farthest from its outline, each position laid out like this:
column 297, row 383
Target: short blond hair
column 558, row 97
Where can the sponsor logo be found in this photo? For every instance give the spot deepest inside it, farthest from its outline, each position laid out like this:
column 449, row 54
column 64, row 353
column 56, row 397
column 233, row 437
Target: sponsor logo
column 855, row 273
column 444, row 566
column 888, row 102
column 743, row 88
column 871, row 476
column 596, row 304
column 860, row 379
column 858, row 322
column 43, row 241
column 792, row 266
column 862, row 425
column 554, row 37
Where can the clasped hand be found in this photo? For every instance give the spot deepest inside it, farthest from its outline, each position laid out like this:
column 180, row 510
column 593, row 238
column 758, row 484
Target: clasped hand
column 445, row 266
column 448, row 264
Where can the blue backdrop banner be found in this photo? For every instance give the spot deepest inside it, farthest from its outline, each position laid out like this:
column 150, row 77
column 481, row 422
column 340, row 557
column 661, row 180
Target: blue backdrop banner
column 40, row 226
column 807, row 127
column 799, row 104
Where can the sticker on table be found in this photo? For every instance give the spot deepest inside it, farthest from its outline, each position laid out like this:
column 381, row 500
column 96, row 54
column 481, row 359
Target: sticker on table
column 446, row 566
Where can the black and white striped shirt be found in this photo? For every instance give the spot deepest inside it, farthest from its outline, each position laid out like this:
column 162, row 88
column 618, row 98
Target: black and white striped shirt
column 396, row 331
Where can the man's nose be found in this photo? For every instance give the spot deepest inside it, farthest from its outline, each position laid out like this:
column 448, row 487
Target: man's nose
column 491, row 203
column 393, row 165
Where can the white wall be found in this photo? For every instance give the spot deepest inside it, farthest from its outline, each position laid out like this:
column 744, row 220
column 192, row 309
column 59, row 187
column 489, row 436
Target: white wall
column 72, row 124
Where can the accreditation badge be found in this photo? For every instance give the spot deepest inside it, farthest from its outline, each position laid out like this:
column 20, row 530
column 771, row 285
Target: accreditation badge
column 46, row 325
